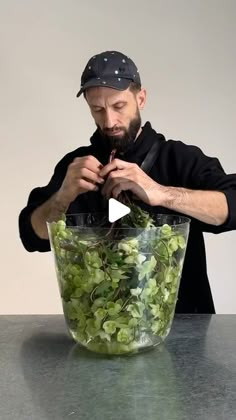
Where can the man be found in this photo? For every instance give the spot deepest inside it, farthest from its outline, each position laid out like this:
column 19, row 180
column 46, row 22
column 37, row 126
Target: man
column 181, row 180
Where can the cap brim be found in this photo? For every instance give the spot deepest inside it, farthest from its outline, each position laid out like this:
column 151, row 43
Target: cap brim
column 114, row 83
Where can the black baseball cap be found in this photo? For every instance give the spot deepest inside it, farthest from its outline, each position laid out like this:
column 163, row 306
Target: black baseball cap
column 109, row 69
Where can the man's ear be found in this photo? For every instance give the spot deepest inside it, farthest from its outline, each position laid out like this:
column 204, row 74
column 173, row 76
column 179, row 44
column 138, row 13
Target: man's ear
column 141, row 98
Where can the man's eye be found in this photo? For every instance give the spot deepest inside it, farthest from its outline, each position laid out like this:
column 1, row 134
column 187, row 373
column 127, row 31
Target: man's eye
column 119, row 106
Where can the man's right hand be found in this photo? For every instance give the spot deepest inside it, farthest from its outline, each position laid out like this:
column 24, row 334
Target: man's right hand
column 82, row 176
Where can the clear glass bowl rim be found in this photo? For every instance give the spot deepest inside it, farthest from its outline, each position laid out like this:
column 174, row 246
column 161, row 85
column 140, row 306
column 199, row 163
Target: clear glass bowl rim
column 173, row 220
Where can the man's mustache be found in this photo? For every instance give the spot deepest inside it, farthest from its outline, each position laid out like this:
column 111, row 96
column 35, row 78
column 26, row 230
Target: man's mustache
column 110, row 131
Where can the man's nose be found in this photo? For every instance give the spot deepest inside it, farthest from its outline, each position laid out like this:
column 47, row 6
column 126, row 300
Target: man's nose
column 109, row 119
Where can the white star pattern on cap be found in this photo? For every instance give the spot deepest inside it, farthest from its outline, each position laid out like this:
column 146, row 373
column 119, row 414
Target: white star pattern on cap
column 120, row 66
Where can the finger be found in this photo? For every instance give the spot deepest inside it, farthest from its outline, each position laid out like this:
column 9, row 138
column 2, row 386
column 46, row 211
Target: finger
column 135, row 197
column 111, row 182
column 115, row 164
column 89, row 162
column 115, row 183
column 87, row 186
column 123, row 186
column 90, row 175
column 116, row 177
column 138, row 192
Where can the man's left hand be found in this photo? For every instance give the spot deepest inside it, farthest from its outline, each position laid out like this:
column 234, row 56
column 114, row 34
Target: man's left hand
column 122, row 176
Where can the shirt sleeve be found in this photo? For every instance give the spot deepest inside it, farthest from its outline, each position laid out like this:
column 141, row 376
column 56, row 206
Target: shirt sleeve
column 38, row 196
column 206, row 173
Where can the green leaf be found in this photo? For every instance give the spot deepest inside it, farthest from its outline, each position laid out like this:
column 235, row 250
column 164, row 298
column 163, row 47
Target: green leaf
column 166, row 230
column 114, row 285
column 156, row 326
column 181, row 242
column 173, row 245
column 151, row 288
column 109, row 327
column 92, row 327
column 87, row 287
column 125, row 335
column 130, row 260
column 77, row 293
column 121, row 321
column 136, row 292
column 146, row 268
column 129, row 246
column 136, row 309
column 98, row 275
column 99, row 302
column 92, row 260
column 72, row 309
column 103, row 288
column 155, row 310
column 113, row 308
column 100, row 313
column 140, row 258
column 166, row 295
column 104, row 336
column 133, row 323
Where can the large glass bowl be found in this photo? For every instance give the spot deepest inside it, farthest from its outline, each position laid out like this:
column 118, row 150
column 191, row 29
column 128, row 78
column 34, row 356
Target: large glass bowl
column 118, row 286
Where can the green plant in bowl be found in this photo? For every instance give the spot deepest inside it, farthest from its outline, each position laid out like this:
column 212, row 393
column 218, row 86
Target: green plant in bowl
column 119, row 283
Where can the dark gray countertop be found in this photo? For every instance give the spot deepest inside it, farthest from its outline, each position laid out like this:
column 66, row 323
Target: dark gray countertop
column 45, row 375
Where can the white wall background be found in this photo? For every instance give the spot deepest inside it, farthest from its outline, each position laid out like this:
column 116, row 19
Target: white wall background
column 185, row 50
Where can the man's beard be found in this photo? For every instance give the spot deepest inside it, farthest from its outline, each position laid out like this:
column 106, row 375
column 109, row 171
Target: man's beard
column 124, row 141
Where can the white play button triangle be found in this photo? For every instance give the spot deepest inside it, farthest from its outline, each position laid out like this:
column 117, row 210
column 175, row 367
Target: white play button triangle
column 116, row 210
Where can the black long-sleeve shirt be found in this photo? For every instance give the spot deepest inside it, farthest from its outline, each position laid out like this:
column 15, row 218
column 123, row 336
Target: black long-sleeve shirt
column 176, row 165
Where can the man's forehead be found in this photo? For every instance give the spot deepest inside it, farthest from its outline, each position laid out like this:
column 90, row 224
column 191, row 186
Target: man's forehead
column 106, row 94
